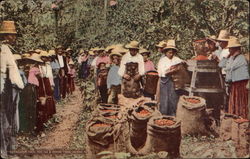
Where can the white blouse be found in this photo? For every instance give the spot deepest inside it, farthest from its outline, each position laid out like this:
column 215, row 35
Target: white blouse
column 128, row 58
column 8, row 61
column 165, row 63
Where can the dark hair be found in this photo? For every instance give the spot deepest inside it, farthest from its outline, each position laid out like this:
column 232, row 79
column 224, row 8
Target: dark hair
column 165, row 50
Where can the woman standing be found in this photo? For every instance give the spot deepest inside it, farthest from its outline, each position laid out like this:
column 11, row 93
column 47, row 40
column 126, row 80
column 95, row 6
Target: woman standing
column 28, row 119
column 166, row 67
column 237, row 75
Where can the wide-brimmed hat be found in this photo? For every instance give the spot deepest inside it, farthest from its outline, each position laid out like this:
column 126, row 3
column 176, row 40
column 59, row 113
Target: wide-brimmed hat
column 33, row 51
column 110, row 47
column 143, row 51
column 115, row 51
column 71, row 62
column 91, row 52
column 25, row 55
column 8, row 27
column 69, row 49
column 52, row 53
column 212, row 38
column 223, row 36
column 36, row 51
column 170, row 45
column 233, row 42
column 59, row 47
column 81, row 51
column 17, row 56
column 95, row 49
column 133, row 45
column 35, row 57
column 101, row 49
column 44, row 53
column 162, row 44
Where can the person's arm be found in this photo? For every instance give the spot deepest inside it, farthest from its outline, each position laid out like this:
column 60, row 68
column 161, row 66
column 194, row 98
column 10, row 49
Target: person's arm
column 141, row 65
column 14, row 74
column 121, row 70
column 223, row 62
column 160, row 68
column 239, row 62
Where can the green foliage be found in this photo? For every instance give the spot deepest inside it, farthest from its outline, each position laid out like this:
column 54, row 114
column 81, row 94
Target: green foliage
column 113, row 155
column 86, row 23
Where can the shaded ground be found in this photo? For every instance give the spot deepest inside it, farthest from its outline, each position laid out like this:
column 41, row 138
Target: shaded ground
column 67, row 129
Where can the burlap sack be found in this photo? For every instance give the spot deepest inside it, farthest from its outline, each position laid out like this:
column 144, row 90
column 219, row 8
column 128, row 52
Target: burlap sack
column 192, row 115
column 138, row 125
column 226, row 126
column 131, row 87
column 149, row 104
column 241, row 136
column 163, row 137
column 99, row 139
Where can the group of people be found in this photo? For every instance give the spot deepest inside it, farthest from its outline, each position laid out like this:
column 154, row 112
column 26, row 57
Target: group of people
column 31, row 85
column 111, row 67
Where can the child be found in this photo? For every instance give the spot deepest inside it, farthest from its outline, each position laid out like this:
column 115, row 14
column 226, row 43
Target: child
column 113, row 79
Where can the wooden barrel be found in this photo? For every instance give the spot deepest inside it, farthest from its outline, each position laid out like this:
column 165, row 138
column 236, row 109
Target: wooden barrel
column 208, row 83
column 151, row 80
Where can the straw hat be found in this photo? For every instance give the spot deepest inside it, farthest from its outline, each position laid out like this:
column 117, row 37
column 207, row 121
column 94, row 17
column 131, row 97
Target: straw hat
column 233, row 42
column 59, row 47
column 170, row 45
column 25, row 55
column 95, row 48
column 32, row 51
column 69, row 49
column 8, row 27
column 223, row 36
column 44, row 54
column 37, row 51
column 52, row 52
column 71, row 62
column 110, row 47
column 133, row 45
column 17, row 56
column 101, row 49
column 91, row 52
column 142, row 50
column 115, row 51
column 35, row 57
column 212, row 38
column 81, row 51
column 162, row 44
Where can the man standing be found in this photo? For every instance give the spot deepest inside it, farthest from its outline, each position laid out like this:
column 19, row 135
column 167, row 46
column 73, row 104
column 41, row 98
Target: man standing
column 63, row 70
column 131, row 70
column 11, row 83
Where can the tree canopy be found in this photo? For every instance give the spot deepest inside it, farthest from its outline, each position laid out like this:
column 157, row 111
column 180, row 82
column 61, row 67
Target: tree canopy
column 89, row 23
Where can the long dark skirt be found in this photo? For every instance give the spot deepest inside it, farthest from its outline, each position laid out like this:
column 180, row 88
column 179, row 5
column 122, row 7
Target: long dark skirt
column 44, row 112
column 6, row 133
column 63, row 86
column 51, row 106
column 57, row 94
column 168, row 96
column 27, row 108
column 71, row 84
column 103, row 93
column 238, row 100
column 84, row 70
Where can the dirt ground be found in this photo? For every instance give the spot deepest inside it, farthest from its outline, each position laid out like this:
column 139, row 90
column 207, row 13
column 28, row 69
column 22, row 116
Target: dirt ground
column 64, row 138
